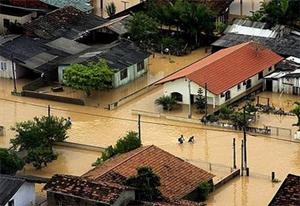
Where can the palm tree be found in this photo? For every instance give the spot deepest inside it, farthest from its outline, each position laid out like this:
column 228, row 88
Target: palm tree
column 110, row 9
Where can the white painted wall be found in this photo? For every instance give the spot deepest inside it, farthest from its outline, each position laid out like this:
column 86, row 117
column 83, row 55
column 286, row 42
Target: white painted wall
column 181, row 86
column 25, row 196
column 19, row 71
column 13, row 19
column 285, row 85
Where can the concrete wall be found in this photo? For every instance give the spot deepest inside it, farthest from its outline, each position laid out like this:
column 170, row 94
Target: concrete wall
column 25, row 196
column 13, row 19
column 19, row 71
column 181, row 86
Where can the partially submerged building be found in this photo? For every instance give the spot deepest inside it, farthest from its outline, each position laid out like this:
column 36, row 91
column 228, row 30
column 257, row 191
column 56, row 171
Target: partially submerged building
column 280, row 39
column 25, row 55
column 228, row 74
column 286, row 78
column 288, row 193
column 179, row 179
column 70, row 190
column 126, row 60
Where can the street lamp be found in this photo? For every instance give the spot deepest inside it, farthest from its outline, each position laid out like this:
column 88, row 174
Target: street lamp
column 13, row 60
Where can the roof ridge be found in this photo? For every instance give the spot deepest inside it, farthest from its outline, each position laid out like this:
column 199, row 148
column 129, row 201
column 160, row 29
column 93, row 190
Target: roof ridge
column 128, row 158
column 233, row 50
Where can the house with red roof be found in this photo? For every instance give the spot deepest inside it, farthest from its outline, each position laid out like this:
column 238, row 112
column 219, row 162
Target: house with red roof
column 228, row 74
column 179, row 179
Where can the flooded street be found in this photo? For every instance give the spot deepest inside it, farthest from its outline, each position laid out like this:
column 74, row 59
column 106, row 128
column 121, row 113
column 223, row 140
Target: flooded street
column 212, row 149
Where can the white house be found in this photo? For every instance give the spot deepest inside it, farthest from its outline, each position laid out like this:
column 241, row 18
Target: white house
column 286, row 79
column 15, row 191
column 229, row 74
column 10, row 15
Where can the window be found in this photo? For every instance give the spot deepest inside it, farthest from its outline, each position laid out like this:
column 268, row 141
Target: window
column 6, row 23
column 3, row 66
column 177, row 96
column 239, row 87
column 11, row 203
column 123, row 74
column 270, row 69
column 140, row 66
column 227, row 95
column 222, row 94
column 260, row 75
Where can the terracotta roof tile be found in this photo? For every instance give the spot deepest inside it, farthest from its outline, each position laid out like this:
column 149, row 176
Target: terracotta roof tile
column 100, row 191
column 178, row 178
column 228, row 67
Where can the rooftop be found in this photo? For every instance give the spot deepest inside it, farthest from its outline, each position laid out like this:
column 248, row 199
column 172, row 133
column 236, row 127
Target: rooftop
column 288, row 193
column 228, row 67
column 280, row 39
column 67, row 22
column 119, row 55
column 13, row 11
column 9, row 185
column 175, row 183
column 82, row 5
column 102, row 192
column 37, row 54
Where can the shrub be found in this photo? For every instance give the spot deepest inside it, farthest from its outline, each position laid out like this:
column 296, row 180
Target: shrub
column 204, row 190
column 225, row 112
column 167, row 102
column 130, row 142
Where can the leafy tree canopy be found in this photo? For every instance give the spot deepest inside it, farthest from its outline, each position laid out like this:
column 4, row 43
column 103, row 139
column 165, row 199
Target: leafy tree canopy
column 110, row 9
column 146, row 182
column 278, row 12
column 142, row 27
column 94, row 76
column 129, row 142
column 10, row 163
column 37, row 137
column 296, row 111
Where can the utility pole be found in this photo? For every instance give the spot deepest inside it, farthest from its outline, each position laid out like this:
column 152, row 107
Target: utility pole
column 242, row 159
column 245, row 140
column 49, row 111
column 13, row 73
column 190, row 101
column 234, row 155
column 139, row 127
column 205, row 93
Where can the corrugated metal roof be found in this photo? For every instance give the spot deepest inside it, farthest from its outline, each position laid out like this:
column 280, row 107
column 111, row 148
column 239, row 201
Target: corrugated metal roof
column 9, row 185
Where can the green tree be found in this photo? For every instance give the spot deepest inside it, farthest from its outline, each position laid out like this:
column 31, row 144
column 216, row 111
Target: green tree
column 40, row 156
column 204, row 190
column 146, row 182
column 94, row 76
column 296, row 111
column 225, row 112
column 37, row 137
column 238, row 120
column 167, row 102
column 200, row 101
column 110, row 9
column 127, row 143
column 142, row 27
column 10, row 163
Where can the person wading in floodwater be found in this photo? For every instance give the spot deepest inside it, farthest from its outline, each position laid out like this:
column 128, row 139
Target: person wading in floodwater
column 181, row 139
column 191, row 139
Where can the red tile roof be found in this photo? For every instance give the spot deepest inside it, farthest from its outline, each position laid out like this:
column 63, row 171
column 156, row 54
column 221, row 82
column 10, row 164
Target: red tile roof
column 104, row 192
column 228, row 67
column 178, row 178
column 166, row 203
